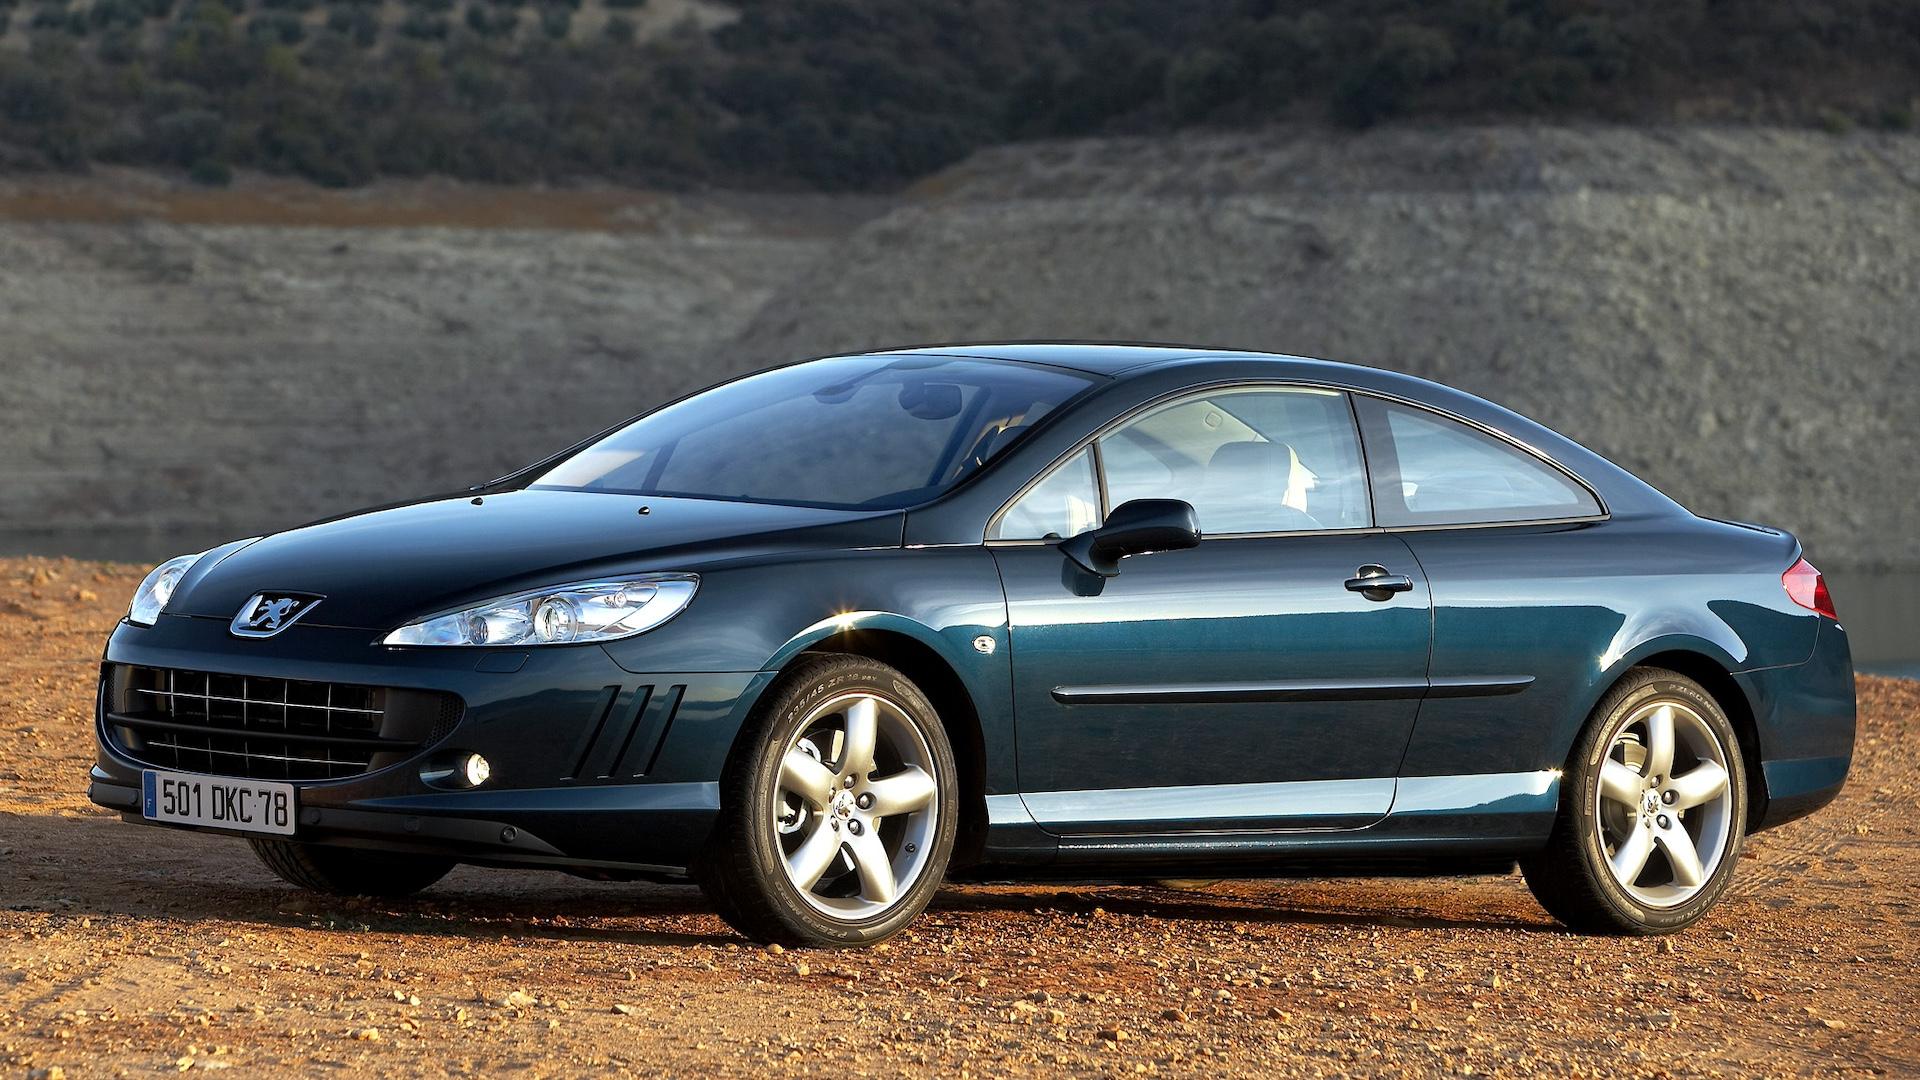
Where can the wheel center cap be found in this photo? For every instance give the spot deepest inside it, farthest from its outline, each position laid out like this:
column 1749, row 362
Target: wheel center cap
column 843, row 804
column 1650, row 803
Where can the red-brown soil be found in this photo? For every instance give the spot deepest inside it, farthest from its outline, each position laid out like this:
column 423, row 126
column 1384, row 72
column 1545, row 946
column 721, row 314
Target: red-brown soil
column 129, row 951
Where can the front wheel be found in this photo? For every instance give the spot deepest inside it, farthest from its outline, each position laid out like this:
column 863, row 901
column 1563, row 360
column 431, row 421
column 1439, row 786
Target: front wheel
column 1653, row 808
column 838, row 810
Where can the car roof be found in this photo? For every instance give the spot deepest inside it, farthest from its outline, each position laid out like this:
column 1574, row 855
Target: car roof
column 1096, row 358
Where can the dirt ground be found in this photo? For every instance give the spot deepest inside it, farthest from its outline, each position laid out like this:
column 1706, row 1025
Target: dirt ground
column 128, row 951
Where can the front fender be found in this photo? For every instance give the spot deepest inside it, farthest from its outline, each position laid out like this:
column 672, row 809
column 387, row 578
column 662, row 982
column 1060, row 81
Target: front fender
column 758, row 617
column 941, row 642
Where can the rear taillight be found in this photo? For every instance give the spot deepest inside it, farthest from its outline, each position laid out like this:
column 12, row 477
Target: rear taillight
column 1807, row 588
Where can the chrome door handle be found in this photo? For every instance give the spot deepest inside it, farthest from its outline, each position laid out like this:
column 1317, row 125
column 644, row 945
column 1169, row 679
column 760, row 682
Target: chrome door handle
column 1375, row 583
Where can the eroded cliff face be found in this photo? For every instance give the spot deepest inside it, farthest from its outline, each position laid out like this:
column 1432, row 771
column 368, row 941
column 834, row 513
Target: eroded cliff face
column 173, row 378
column 1728, row 313
column 1731, row 314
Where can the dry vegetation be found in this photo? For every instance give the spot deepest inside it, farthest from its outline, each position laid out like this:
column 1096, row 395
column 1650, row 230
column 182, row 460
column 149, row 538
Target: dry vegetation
column 133, row 951
column 868, row 94
column 129, row 198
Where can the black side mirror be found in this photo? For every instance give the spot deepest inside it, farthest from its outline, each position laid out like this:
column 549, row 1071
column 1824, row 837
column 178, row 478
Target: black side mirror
column 1140, row 527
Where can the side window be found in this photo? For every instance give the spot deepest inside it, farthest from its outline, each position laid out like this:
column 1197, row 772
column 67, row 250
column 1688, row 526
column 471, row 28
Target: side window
column 1064, row 504
column 1254, row 460
column 1429, row 470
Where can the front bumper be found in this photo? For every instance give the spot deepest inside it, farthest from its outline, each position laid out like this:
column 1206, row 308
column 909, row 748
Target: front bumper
column 594, row 767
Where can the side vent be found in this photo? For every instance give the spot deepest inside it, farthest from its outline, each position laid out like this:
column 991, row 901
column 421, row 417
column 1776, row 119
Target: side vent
column 583, row 749
column 625, row 735
column 643, row 745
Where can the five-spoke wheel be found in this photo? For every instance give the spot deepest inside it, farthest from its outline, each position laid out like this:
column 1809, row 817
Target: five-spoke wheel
column 1652, row 811
column 857, row 804
column 1664, row 803
column 837, row 811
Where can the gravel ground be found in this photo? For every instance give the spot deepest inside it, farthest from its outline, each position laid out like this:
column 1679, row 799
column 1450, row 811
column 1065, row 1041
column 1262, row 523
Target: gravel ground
column 135, row 951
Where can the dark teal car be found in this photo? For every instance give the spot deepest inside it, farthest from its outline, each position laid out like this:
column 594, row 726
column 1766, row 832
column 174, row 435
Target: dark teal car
column 821, row 637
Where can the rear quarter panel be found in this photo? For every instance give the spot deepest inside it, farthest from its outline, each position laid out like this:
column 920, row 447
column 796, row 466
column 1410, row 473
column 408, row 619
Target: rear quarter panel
column 1575, row 607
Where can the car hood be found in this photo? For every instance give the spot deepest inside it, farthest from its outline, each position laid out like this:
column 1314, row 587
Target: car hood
column 386, row 567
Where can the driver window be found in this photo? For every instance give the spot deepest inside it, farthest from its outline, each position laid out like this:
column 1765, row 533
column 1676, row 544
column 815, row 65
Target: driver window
column 1065, row 504
column 1250, row 461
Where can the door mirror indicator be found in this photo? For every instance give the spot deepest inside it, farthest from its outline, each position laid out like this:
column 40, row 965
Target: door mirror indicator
column 1139, row 527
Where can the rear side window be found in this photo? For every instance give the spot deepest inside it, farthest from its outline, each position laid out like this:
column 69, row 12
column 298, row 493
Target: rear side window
column 1429, row 470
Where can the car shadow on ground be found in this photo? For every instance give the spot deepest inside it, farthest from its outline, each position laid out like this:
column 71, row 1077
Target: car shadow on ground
column 1159, row 902
column 110, row 870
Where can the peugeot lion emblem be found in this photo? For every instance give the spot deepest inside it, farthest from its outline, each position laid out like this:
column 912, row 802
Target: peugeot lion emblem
column 268, row 613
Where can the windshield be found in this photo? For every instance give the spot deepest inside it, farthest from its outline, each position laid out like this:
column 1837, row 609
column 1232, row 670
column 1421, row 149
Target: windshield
column 864, row 432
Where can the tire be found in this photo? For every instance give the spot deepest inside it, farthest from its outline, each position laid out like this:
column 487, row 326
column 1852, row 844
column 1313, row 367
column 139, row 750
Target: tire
column 340, row 871
column 1613, row 814
column 794, row 797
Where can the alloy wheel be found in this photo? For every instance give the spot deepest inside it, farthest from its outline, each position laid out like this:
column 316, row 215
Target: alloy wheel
column 1664, row 804
column 855, row 805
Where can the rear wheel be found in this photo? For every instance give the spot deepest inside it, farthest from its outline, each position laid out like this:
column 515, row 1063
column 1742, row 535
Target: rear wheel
column 342, row 871
column 838, row 811
column 1653, row 809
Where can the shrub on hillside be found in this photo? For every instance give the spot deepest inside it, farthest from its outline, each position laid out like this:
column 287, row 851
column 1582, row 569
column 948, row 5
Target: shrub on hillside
column 425, row 26
column 490, row 21
column 1408, row 57
column 871, row 93
column 210, row 172
column 186, row 135
column 1202, row 80
column 277, row 27
column 130, row 14
column 118, row 45
column 30, row 96
column 356, row 24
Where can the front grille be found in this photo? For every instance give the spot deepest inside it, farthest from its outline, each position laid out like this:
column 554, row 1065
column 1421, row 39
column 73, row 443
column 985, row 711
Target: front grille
column 267, row 728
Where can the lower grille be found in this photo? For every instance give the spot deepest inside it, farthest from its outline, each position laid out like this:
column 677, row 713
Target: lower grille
column 267, row 728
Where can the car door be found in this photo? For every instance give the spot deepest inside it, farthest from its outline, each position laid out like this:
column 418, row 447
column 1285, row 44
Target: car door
column 1527, row 577
column 1247, row 683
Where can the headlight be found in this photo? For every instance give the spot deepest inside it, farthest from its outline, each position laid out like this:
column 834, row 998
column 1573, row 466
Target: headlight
column 561, row 615
column 150, row 599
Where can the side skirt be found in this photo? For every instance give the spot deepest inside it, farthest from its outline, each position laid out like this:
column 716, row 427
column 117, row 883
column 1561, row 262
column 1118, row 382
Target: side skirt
column 1467, row 821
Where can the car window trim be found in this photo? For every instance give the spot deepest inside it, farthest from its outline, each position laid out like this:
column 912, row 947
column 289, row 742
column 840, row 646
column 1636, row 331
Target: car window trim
column 1371, row 530
column 1102, row 497
column 1360, row 434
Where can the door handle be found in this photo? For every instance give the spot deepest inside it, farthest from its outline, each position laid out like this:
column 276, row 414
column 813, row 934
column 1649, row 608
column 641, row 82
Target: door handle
column 1375, row 583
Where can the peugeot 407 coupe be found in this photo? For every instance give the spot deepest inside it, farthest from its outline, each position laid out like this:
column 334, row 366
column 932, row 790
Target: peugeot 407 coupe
column 820, row 637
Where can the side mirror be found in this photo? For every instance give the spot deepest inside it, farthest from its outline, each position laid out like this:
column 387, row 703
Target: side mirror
column 1140, row 527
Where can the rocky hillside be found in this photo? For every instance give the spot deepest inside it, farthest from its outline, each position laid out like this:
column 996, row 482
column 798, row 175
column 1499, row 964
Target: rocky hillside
column 1730, row 313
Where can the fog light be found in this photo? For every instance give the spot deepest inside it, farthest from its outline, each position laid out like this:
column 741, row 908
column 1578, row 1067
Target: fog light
column 476, row 770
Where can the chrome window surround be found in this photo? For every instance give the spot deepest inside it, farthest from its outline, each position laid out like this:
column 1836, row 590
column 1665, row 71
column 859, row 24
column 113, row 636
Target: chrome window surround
column 1206, row 389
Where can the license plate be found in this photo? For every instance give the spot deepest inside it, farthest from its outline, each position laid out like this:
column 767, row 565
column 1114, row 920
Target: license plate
column 219, row 802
